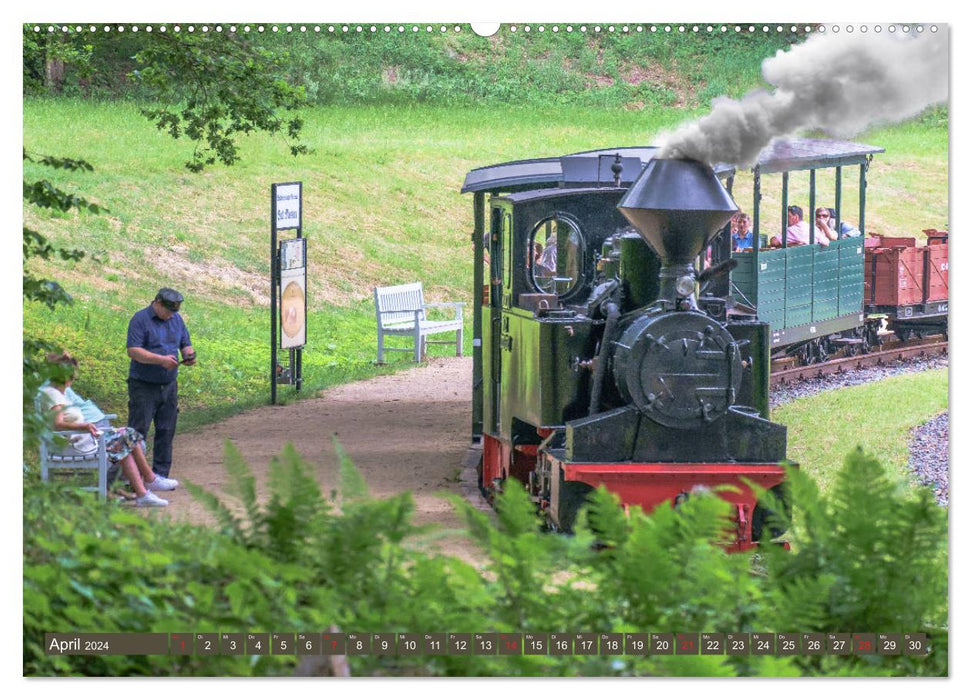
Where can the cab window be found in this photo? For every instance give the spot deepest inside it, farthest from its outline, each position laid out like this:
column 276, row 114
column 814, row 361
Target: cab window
column 555, row 255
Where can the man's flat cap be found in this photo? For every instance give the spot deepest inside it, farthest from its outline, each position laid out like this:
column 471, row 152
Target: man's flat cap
column 169, row 295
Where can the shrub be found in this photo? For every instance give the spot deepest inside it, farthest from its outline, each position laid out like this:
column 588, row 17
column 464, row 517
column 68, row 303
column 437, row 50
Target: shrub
column 866, row 558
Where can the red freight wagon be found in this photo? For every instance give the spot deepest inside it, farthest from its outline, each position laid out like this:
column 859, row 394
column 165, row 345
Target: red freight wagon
column 894, row 272
column 908, row 283
column 935, row 266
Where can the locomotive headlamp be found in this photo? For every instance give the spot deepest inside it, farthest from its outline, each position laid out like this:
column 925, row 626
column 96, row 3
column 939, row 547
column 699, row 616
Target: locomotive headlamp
column 685, row 286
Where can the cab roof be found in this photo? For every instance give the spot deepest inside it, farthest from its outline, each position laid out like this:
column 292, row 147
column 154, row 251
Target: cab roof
column 593, row 168
column 583, row 169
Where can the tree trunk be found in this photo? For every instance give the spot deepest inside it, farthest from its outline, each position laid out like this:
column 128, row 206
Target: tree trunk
column 54, row 75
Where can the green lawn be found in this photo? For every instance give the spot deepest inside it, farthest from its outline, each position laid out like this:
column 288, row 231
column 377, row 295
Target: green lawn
column 878, row 417
column 381, row 206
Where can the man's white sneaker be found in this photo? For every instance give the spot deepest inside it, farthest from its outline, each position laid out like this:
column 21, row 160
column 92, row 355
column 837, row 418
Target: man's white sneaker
column 150, row 499
column 162, row 483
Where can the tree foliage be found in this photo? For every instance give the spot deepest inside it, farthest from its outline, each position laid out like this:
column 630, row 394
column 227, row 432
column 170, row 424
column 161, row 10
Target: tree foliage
column 36, row 289
column 49, row 55
column 214, row 87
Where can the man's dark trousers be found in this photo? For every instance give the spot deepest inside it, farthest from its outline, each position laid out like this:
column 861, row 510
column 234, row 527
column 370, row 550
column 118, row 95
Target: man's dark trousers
column 149, row 402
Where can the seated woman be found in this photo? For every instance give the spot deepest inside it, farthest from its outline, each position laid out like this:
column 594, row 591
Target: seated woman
column 123, row 444
column 826, row 229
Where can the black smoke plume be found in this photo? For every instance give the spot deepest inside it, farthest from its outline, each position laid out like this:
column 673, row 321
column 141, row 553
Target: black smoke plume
column 839, row 83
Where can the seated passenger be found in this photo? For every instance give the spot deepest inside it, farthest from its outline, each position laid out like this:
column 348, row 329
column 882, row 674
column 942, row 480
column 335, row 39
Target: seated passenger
column 797, row 232
column 742, row 236
column 825, row 226
column 846, row 229
column 123, row 444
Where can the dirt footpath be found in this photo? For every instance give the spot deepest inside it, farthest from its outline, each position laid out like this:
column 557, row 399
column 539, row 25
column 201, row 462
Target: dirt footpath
column 405, row 432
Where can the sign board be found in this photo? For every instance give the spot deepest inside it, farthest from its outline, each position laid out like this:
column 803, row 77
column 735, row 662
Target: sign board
column 288, row 285
column 293, row 293
column 287, row 204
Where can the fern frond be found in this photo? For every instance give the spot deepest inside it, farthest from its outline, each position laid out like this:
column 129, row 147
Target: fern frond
column 228, row 522
column 352, row 484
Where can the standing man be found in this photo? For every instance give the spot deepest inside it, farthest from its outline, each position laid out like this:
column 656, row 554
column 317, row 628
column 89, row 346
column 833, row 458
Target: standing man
column 156, row 335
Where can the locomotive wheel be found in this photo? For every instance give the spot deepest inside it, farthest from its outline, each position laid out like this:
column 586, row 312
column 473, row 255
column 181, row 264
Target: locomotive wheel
column 764, row 518
column 573, row 496
column 904, row 334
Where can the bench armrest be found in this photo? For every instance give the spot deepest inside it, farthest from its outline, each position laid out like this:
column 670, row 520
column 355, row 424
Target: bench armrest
column 66, row 436
column 457, row 305
column 419, row 314
column 69, row 433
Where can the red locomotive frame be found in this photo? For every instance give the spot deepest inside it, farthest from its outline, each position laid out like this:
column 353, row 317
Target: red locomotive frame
column 646, row 485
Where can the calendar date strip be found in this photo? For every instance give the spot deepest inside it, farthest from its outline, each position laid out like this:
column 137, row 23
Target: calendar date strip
column 488, row 644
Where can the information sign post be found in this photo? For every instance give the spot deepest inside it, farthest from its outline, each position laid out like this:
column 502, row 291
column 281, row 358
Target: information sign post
column 288, row 283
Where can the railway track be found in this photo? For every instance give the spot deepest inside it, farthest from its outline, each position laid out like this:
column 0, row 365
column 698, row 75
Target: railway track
column 783, row 373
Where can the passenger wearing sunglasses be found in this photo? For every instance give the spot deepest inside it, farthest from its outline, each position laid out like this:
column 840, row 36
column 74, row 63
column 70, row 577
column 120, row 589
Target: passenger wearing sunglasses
column 156, row 337
column 826, row 230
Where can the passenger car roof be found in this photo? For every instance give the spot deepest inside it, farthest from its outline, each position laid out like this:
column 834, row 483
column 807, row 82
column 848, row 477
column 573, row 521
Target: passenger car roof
column 804, row 154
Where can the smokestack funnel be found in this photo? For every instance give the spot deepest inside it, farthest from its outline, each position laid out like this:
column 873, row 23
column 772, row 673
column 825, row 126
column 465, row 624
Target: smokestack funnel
column 677, row 206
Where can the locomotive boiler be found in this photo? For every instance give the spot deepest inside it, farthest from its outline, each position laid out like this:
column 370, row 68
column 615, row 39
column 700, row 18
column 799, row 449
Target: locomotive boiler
column 599, row 357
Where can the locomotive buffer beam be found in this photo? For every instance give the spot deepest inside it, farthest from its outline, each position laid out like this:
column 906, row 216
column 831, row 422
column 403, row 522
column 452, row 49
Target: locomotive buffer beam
column 626, row 435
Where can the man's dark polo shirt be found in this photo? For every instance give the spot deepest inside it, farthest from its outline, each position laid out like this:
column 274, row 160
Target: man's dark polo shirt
column 148, row 331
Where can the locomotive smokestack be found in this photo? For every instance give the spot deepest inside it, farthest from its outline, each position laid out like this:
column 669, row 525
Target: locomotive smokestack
column 677, row 206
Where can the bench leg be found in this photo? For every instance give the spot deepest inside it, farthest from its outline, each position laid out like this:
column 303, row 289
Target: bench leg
column 103, row 480
column 419, row 340
column 380, row 347
column 458, row 343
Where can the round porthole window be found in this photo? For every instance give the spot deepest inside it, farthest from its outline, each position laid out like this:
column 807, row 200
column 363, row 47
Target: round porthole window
column 556, row 255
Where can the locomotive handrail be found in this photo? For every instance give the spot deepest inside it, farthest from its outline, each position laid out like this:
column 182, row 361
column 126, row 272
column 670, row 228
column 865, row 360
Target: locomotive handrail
column 736, row 290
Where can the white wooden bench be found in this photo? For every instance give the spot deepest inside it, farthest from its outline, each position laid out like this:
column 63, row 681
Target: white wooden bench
column 401, row 311
column 59, row 455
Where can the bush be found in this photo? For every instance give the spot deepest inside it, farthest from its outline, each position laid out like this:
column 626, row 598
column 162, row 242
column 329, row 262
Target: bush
column 436, row 68
column 867, row 558
column 90, row 568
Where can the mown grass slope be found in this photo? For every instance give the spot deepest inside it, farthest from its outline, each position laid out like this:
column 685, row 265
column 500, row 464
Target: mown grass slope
column 381, row 206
